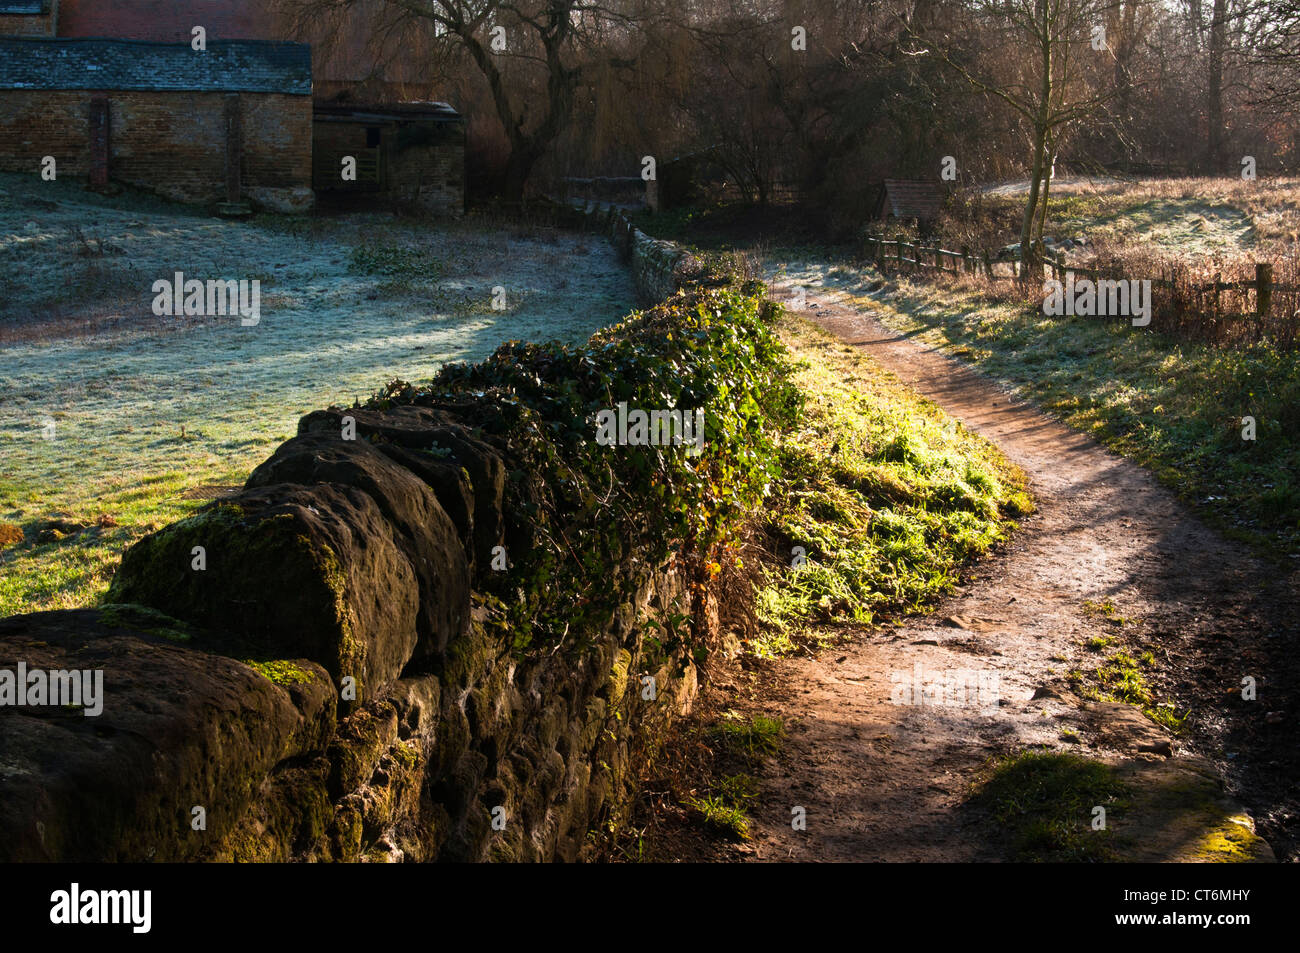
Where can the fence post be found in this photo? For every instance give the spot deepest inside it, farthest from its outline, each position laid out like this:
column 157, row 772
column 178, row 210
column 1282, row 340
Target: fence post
column 899, row 239
column 1263, row 289
column 965, row 259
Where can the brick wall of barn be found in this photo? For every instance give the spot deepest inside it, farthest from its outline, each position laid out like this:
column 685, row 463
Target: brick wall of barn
column 430, row 172
column 171, row 143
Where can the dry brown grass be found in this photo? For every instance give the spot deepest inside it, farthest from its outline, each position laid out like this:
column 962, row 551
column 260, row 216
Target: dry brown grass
column 1189, row 232
column 1182, row 303
column 9, row 534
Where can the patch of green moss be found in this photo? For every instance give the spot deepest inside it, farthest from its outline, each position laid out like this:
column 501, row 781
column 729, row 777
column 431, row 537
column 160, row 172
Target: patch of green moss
column 352, row 651
column 406, row 754
column 618, row 677
column 1178, row 814
column 1229, row 841
column 280, row 671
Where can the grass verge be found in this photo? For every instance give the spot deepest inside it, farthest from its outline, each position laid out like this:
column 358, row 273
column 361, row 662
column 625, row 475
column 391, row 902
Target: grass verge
column 883, row 498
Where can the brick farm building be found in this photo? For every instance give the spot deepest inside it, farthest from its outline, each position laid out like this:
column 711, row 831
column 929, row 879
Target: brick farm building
column 115, row 91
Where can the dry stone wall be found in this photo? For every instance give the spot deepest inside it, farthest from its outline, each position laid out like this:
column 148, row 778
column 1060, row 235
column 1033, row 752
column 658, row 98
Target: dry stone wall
column 307, row 670
column 659, row 268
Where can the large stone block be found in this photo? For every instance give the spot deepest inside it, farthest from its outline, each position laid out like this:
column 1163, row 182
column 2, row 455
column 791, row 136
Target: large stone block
column 179, row 729
column 295, row 571
column 424, row 533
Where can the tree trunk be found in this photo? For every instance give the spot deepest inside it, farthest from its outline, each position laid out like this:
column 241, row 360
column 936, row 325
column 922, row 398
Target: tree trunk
column 518, row 168
column 1042, row 130
column 1029, row 254
column 526, row 148
column 1124, row 48
column 1049, row 165
column 1214, row 104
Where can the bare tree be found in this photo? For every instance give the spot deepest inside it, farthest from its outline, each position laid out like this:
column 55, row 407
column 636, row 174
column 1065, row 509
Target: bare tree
column 534, row 55
column 1214, row 87
column 1037, row 68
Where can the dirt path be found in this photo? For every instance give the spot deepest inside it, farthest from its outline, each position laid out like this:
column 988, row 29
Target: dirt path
column 886, row 781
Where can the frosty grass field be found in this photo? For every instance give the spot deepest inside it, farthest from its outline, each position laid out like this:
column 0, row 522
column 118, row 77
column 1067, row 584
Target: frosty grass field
column 114, row 421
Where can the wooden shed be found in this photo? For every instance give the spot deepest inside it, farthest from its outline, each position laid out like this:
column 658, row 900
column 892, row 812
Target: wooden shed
column 909, row 199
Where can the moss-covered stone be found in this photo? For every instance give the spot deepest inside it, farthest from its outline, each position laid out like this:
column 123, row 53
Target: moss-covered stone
column 618, row 678
column 281, row 671
column 179, row 728
column 344, row 594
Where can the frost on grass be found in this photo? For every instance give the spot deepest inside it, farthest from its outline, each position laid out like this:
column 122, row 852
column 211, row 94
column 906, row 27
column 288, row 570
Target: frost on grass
column 144, row 408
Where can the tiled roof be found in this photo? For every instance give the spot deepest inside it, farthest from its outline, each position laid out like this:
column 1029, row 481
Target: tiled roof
column 252, row 66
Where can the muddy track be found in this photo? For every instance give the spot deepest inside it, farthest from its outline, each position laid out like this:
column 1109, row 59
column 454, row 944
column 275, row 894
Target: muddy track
column 885, row 781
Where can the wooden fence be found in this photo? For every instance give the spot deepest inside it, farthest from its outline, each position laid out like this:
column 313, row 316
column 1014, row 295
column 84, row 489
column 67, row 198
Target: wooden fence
column 904, row 255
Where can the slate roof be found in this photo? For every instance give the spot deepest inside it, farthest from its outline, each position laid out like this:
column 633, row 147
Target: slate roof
column 237, row 66
column 910, row 199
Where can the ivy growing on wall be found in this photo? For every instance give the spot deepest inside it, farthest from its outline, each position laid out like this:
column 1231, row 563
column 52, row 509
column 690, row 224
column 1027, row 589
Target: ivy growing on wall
column 584, row 520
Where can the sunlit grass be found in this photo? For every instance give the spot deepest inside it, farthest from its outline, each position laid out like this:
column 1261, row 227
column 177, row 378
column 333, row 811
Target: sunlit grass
column 1172, row 406
column 884, row 497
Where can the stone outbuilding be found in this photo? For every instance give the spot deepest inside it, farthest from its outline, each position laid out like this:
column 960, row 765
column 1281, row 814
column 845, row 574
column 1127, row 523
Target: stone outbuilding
column 413, row 153
column 115, row 91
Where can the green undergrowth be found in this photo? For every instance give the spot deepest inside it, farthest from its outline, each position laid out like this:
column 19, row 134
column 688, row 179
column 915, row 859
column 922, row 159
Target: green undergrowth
column 881, row 501
column 1173, row 406
column 391, row 260
column 742, row 743
column 751, row 739
column 1124, row 669
column 725, row 809
column 1047, row 802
